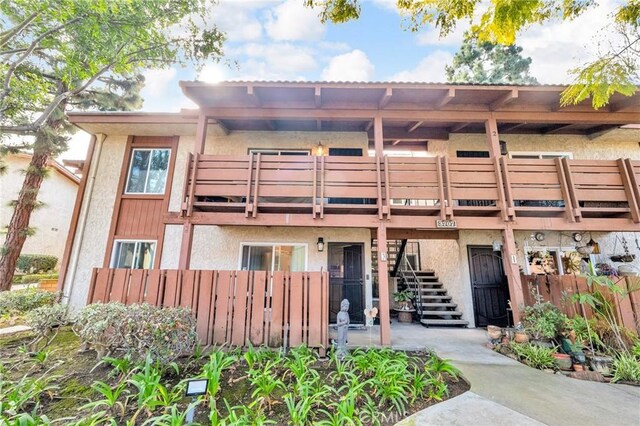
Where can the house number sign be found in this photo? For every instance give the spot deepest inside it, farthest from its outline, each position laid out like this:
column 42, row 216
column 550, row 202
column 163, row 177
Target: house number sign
column 449, row 224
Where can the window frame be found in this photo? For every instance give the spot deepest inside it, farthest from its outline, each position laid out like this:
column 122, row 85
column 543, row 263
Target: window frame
column 539, row 154
column 273, row 257
column 130, row 168
column 137, row 242
column 279, row 151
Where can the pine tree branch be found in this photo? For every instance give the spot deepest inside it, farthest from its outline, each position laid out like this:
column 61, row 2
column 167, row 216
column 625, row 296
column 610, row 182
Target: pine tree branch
column 7, row 81
column 5, row 36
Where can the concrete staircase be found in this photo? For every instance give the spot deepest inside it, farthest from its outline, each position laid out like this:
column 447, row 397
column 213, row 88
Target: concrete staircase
column 433, row 305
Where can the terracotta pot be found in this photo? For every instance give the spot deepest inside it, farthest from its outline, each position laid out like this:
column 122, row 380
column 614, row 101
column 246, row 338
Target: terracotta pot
column 505, row 340
column 563, row 361
column 578, row 367
column 404, row 316
column 494, row 332
column 521, row 337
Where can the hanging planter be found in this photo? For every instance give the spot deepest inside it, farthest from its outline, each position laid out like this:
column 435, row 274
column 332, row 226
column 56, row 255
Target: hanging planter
column 622, row 258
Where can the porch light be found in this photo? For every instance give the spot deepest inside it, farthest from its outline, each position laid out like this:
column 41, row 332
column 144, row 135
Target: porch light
column 319, row 151
column 497, row 245
column 595, row 246
column 320, row 244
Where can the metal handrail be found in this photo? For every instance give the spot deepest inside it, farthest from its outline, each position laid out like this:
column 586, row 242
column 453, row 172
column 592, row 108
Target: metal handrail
column 405, row 262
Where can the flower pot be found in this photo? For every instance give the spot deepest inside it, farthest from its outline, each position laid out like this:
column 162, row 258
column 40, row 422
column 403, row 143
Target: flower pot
column 563, row 361
column 405, row 316
column 578, row 367
column 601, row 364
column 521, row 337
column 494, row 332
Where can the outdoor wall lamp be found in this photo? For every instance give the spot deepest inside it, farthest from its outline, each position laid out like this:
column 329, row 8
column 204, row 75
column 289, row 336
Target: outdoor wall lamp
column 497, row 245
column 319, row 149
column 320, row 244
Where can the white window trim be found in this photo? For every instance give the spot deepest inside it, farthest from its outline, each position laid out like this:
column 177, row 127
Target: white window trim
column 273, row 257
column 569, row 155
column 146, row 179
column 557, row 249
column 278, row 150
column 115, row 246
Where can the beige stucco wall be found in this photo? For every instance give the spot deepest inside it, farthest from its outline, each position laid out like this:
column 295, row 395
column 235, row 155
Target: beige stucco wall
column 619, row 144
column 51, row 221
column 218, row 247
column 239, row 143
column 171, row 247
column 98, row 206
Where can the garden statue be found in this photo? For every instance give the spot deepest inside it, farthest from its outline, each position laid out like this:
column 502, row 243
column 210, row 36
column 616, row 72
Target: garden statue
column 342, row 321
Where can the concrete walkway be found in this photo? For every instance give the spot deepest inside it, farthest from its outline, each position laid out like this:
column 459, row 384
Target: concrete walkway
column 506, row 392
column 14, row 329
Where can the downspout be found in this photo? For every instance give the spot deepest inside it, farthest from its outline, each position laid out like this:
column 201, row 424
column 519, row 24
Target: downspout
column 68, row 290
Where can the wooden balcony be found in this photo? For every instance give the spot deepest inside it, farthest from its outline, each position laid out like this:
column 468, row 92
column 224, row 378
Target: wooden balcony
column 445, row 188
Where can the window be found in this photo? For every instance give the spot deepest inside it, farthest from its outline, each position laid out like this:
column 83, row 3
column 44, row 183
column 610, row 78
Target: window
column 472, row 154
column 148, row 171
column 540, row 155
column 133, row 254
column 279, row 151
column 273, row 257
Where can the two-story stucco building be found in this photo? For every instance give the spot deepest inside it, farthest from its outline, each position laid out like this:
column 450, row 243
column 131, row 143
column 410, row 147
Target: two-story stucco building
column 343, row 190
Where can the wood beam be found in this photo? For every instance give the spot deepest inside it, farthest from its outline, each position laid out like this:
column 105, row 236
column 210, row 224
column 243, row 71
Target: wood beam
column 458, row 127
column 386, row 97
column 201, row 134
column 555, row 129
column 368, row 126
column 318, row 97
column 378, row 137
column 493, row 138
column 598, row 131
column 396, row 142
column 185, row 246
column 428, row 116
column 512, row 271
column 256, row 99
column 444, row 100
column 222, row 126
column 414, row 126
column 511, row 126
column 419, row 234
column 625, row 104
column 505, row 99
column 395, row 133
column 383, row 287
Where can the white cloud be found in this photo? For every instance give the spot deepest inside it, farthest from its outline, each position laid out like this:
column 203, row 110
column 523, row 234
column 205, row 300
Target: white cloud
column 559, row 46
column 157, row 81
column 238, row 21
column 285, row 57
column 431, row 36
column 352, row 66
column 213, row 73
column 292, row 21
column 430, row 69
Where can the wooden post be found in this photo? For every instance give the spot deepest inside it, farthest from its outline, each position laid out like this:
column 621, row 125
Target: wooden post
column 378, row 137
column 383, row 286
column 201, row 134
column 493, row 138
column 185, row 246
column 511, row 270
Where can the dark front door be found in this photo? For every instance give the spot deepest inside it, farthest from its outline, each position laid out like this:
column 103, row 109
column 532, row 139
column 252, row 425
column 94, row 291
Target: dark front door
column 490, row 288
column 346, row 273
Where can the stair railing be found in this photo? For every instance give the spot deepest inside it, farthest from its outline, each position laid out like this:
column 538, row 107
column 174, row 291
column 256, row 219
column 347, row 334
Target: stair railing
column 408, row 270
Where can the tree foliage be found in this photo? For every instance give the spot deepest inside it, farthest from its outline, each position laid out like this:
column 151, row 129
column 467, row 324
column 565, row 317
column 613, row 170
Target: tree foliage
column 615, row 69
column 489, row 63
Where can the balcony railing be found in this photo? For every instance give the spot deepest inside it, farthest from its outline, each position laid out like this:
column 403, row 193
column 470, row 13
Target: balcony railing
column 436, row 186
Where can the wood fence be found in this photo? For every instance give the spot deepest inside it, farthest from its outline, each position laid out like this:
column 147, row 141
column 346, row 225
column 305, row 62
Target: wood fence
column 231, row 307
column 558, row 290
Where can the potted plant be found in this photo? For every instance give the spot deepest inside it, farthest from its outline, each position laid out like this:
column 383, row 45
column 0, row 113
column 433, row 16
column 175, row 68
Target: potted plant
column 544, row 321
column 520, row 335
column 405, row 312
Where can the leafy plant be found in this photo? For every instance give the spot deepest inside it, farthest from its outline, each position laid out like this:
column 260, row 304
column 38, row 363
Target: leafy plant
column 146, row 380
column 265, row 384
column 543, row 320
column 212, row 370
column 22, row 301
column 44, row 320
column 36, row 263
column 33, row 278
column 299, row 409
column 440, row 366
column 626, row 367
column 111, row 397
column 536, row 356
column 174, row 417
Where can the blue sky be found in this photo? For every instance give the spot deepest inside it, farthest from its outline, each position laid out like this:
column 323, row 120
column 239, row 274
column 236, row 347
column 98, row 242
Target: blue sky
column 282, row 40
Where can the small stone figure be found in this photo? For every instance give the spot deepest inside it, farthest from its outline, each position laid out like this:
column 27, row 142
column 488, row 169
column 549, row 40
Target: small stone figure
column 342, row 321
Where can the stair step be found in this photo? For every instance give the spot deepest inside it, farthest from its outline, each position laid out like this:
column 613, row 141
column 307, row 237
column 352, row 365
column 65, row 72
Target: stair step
column 438, row 297
column 442, row 313
column 434, row 290
column 458, row 322
column 440, row 305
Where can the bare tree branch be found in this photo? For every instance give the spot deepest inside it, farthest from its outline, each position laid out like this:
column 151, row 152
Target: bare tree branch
column 5, row 36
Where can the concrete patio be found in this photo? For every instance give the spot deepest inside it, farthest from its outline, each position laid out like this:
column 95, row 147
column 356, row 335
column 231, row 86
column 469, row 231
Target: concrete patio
column 503, row 391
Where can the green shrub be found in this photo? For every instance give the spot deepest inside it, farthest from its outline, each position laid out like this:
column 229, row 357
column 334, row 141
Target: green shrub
column 543, row 320
column 626, row 368
column 536, row 356
column 164, row 333
column 21, row 301
column 44, row 320
column 33, row 278
column 36, row 263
